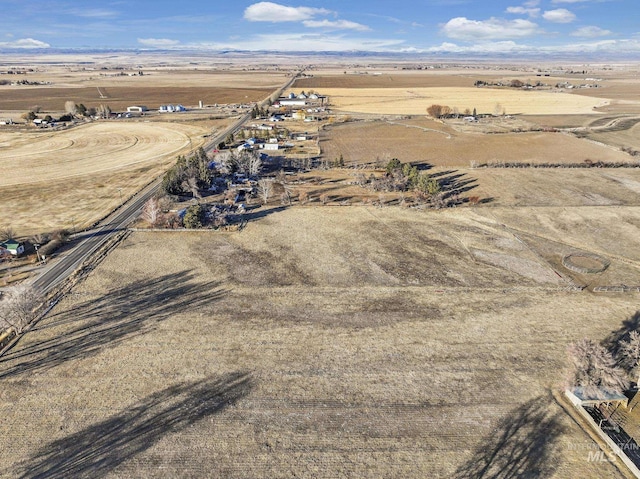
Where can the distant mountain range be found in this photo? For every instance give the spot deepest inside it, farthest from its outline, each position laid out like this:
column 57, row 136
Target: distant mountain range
column 606, row 57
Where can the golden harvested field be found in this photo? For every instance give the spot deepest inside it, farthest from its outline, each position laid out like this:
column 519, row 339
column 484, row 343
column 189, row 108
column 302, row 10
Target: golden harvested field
column 440, row 145
column 57, row 179
column 318, row 342
column 416, row 100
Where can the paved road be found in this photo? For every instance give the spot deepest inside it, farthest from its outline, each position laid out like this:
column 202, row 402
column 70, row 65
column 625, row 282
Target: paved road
column 89, row 242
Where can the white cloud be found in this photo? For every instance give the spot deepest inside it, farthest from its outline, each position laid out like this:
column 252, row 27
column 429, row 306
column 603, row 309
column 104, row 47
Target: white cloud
column 274, row 12
column 591, row 32
column 490, row 47
column 560, row 15
column 569, row 1
column 158, row 42
column 93, row 13
column 462, row 28
column 336, row 25
column 608, row 47
column 532, row 12
column 24, row 43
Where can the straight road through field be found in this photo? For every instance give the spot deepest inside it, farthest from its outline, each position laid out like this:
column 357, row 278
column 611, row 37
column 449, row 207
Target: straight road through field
column 88, row 243
column 92, row 240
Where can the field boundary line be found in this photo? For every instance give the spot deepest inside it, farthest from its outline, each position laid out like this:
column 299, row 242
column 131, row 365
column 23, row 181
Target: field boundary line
column 419, row 128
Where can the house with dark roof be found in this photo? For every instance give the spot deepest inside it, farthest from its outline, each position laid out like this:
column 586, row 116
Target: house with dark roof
column 13, row 247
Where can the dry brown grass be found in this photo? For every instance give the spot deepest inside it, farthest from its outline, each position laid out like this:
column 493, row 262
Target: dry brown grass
column 366, row 141
column 629, row 138
column 416, row 100
column 376, row 342
column 74, row 177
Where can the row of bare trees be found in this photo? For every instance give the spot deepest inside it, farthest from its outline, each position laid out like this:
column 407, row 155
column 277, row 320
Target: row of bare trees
column 598, row 372
column 19, row 307
column 444, row 111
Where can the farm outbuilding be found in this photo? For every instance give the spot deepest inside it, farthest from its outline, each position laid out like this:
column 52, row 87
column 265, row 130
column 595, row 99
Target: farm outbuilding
column 171, row 108
column 13, row 247
column 292, row 102
column 137, row 109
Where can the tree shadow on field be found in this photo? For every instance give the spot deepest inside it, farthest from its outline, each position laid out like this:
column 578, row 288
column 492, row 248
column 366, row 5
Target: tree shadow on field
column 256, row 214
column 98, row 449
column 522, row 445
column 116, row 316
column 612, row 342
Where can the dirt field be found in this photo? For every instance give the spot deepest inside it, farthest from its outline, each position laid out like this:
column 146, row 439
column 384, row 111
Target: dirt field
column 362, row 342
column 74, row 177
column 385, row 80
column 440, row 145
column 120, row 97
column 96, row 81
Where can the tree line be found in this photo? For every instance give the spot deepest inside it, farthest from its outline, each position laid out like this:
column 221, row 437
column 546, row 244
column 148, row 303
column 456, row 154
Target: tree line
column 600, row 371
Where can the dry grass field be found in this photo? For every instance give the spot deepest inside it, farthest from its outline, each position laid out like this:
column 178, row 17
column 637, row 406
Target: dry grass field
column 416, row 100
column 440, row 145
column 622, row 138
column 74, row 177
column 318, row 342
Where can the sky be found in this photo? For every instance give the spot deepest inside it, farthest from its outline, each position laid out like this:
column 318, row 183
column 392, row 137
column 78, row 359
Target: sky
column 422, row 26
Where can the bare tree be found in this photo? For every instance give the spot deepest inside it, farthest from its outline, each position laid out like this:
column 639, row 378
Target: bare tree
column 152, row 212
column 265, row 189
column 594, row 369
column 191, row 184
column 249, row 162
column 7, row 233
column 245, row 162
column 19, row 307
column 438, row 111
column 70, row 107
column 435, row 111
column 104, row 111
column 630, row 353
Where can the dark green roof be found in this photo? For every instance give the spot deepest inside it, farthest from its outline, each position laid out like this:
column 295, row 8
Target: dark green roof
column 10, row 244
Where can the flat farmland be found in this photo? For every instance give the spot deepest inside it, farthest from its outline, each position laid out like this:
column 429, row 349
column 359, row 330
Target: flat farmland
column 95, row 84
column 440, row 145
column 384, row 80
column 416, row 100
column 53, row 99
column 363, row 342
column 74, row 177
